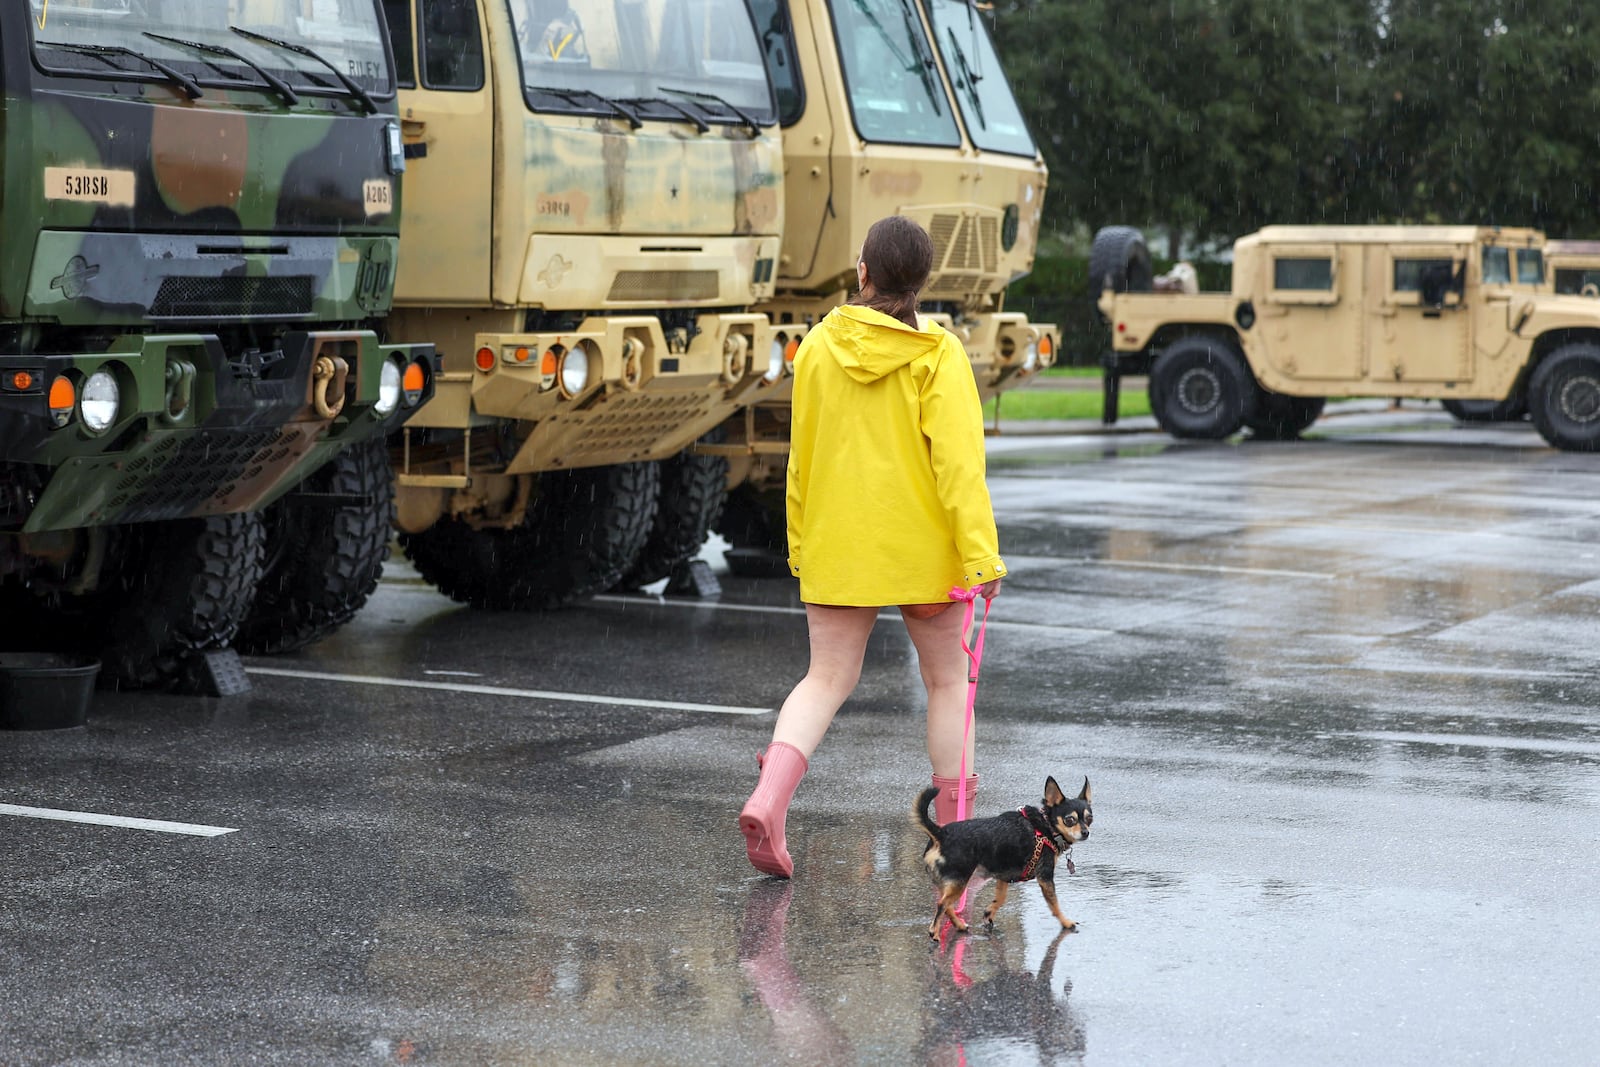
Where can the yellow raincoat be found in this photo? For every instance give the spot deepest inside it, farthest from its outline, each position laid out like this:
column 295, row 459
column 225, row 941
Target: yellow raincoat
column 886, row 495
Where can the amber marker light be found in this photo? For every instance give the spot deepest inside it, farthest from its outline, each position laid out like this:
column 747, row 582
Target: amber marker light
column 547, row 368
column 22, row 381
column 63, row 399
column 521, row 355
column 790, row 349
column 485, row 359
column 412, row 383
column 1047, row 349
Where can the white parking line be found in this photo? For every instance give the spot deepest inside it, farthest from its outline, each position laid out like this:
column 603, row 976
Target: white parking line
column 779, row 609
column 1525, row 744
column 159, row 825
column 504, row 691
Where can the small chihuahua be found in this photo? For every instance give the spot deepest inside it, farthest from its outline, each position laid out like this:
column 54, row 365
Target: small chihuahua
column 1011, row 847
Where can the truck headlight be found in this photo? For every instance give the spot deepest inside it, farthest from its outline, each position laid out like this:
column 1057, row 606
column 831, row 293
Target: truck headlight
column 388, row 387
column 99, row 400
column 574, row 370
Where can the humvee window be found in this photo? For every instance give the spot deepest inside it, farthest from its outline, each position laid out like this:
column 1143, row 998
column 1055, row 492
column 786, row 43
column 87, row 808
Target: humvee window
column 1574, row 280
column 1408, row 273
column 1496, row 266
column 1530, row 266
column 1314, row 274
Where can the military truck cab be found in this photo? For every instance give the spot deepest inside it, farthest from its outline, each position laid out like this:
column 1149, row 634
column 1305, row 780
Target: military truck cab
column 593, row 203
column 200, row 221
column 1457, row 313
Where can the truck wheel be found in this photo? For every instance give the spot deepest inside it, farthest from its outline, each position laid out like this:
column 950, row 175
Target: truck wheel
column 754, row 524
column 1119, row 260
column 1201, row 388
column 1510, row 409
column 1564, row 397
column 693, row 488
column 324, row 557
column 182, row 587
column 1283, row 418
column 583, row 530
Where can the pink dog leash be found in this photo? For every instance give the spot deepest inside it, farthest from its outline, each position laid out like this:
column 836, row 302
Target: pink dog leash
column 975, row 655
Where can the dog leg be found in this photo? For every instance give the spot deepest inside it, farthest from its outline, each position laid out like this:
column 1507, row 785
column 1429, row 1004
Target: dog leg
column 946, row 908
column 1049, row 891
column 1000, row 890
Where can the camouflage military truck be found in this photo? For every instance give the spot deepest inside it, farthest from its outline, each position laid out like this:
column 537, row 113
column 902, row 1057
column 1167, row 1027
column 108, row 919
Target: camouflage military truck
column 887, row 107
column 200, row 220
column 1462, row 314
column 593, row 203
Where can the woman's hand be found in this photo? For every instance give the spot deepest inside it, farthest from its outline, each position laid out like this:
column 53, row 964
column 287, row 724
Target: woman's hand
column 990, row 590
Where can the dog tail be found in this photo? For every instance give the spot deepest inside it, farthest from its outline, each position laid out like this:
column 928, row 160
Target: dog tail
column 933, row 829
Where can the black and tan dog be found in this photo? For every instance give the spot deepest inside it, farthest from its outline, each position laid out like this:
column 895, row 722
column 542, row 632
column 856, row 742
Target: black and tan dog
column 1011, row 847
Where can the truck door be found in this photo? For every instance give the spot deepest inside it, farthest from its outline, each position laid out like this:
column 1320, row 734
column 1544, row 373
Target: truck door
column 447, row 123
column 1310, row 315
column 1418, row 325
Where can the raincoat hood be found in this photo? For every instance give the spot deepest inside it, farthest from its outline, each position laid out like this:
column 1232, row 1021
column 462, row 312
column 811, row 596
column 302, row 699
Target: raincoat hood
column 868, row 344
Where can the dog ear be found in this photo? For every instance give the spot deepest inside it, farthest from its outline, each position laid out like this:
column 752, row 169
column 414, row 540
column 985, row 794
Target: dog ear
column 1084, row 796
column 1052, row 793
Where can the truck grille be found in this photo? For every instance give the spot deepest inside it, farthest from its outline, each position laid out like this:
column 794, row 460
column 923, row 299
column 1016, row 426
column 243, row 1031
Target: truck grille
column 966, row 248
column 209, row 296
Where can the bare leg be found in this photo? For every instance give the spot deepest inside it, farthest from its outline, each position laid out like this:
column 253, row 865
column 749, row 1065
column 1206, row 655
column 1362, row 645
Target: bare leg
column 838, row 645
column 944, row 673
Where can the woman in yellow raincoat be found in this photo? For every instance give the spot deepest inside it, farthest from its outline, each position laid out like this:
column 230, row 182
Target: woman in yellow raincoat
column 887, row 505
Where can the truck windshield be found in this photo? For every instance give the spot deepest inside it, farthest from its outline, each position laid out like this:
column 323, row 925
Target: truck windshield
column 893, row 80
column 994, row 121
column 190, row 41
column 655, row 57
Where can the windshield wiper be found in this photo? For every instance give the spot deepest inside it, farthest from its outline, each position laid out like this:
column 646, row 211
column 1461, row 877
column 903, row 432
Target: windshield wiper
column 925, row 61
column 574, row 96
column 277, row 84
column 969, row 79
column 190, row 87
column 743, row 116
column 700, row 124
column 348, row 82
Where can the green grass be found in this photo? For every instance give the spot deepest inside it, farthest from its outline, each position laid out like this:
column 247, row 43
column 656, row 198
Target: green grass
column 1028, row 403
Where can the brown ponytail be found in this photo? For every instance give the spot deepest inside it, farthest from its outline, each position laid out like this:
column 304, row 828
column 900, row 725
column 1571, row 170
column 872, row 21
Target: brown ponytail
column 899, row 256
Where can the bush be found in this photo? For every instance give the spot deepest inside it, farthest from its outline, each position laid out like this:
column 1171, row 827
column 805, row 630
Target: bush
column 1058, row 291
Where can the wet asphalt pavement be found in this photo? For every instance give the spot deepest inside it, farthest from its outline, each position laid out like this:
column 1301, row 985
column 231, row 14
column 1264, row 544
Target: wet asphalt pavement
column 1337, row 700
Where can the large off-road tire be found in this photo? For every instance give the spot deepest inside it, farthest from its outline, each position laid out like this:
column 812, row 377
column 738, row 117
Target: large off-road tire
column 693, row 489
column 324, row 554
column 1511, row 409
column 1119, row 260
column 754, row 524
column 179, row 588
column 1283, row 418
column 583, row 531
column 1201, row 387
column 1564, row 397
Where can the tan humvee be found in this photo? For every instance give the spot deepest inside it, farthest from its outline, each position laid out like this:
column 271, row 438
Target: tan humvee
column 1462, row 314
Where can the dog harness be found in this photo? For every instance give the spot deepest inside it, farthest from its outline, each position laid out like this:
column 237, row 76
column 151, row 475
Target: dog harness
column 1041, row 839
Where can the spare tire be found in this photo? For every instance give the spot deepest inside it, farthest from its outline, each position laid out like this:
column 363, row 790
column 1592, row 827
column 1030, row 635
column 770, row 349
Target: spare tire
column 1119, row 260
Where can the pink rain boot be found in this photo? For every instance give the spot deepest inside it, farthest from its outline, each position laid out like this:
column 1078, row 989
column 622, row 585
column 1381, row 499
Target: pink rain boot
column 944, row 805
column 761, row 821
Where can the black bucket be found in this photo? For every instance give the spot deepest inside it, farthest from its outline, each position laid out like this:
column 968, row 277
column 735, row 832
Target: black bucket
column 45, row 690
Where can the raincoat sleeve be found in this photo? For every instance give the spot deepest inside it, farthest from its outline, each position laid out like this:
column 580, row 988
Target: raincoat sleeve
column 952, row 421
column 794, row 506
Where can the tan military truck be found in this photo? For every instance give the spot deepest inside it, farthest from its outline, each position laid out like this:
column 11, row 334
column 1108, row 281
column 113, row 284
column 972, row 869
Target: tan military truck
column 593, row 203
column 1455, row 313
column 887, row 107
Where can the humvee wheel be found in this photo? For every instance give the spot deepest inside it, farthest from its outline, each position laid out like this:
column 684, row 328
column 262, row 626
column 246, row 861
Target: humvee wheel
column 1283, row 418
column 324, row 557
column 754, row 524
column 1564, row 397
column 693, row 488
column 183, row 587
column 584, row 529
column 1119, row 260
column 1201, row 388
column 1510, row 409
